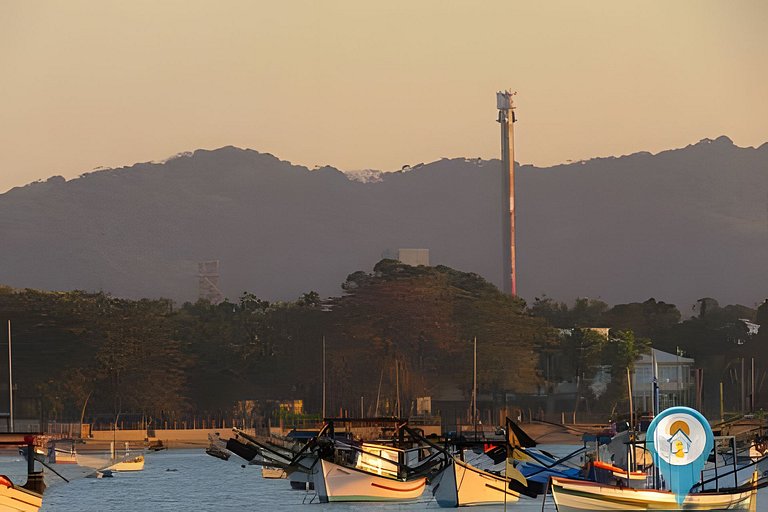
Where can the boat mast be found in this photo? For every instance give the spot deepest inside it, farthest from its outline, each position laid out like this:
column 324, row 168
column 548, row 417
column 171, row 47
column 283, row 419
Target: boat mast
column 631, row 409
column 10, row 379
column 324, row 416
column 397, row 385
column 656, row 410
column 474, row 388
column 378, row 393
column 752, row 391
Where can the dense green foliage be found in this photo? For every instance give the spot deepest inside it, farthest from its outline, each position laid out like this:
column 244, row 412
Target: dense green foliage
column 716, row 337
column 398, row 328
column 145, row 357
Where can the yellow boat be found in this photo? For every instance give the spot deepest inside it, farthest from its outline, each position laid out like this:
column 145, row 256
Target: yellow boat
column 15, row 498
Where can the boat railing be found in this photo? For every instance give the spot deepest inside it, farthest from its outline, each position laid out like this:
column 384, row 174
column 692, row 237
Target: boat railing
column 732, row 471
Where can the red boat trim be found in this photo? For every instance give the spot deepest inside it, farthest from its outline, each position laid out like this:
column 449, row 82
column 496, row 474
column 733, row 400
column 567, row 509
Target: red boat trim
column 374, row 484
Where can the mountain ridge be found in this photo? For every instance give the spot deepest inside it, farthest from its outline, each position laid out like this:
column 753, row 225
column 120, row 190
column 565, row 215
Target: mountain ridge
column 628, row 227
column 353, row 175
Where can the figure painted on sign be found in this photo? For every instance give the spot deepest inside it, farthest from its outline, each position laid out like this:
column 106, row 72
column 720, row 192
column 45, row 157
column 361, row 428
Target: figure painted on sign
column 680, row 440
column 679, row 443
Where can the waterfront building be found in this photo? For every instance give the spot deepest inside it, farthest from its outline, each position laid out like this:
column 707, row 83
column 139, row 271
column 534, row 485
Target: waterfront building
column 676, row 385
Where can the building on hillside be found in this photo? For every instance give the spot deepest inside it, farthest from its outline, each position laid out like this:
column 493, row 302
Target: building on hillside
column 752, row 328
column 413, row 257
column 676, row 385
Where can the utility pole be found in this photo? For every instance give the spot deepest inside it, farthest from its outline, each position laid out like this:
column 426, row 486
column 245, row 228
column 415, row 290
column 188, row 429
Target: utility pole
column 743, row 389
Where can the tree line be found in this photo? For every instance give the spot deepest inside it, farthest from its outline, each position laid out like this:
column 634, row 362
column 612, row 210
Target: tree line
column 394, row 334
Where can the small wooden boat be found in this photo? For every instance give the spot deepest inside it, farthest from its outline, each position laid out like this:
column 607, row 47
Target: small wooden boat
column 129, row 464
column 270, row 472
column 580, row 496
column 460, row 484
column 334, row 482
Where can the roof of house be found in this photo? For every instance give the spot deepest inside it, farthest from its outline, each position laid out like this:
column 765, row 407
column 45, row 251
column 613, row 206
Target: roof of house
column 664, row 358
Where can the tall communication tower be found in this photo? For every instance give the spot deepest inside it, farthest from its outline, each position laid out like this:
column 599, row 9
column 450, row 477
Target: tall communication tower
column 208, row 281
column 507, row 118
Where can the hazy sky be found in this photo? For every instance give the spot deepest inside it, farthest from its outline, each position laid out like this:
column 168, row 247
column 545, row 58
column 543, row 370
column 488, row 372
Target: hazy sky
column 361, row 84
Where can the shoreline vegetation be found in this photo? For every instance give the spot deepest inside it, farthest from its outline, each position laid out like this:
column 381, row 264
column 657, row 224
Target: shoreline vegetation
column 394, row 335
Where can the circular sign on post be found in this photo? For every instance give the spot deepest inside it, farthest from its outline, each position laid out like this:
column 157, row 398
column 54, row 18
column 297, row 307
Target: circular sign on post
column 680, row 440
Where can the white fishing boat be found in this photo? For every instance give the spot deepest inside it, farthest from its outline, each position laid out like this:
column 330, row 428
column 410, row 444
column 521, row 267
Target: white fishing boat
column 334, row 482
column 460, row 485
column 16, row 498
column 581, row 496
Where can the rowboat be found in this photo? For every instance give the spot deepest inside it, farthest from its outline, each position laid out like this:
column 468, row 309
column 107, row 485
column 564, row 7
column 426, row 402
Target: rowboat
column 580, row 496
column 460, row 484
column 334, row 482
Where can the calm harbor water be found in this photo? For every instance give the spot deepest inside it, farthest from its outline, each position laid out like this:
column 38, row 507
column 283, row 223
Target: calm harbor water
column 181, row 480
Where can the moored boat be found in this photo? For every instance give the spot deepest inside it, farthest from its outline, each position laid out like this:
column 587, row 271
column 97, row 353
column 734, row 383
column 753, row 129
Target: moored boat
column 334, row 482
column 129, row 464
column 581, row 496
column 16, row 498
column 27, row 497
column 460, row 484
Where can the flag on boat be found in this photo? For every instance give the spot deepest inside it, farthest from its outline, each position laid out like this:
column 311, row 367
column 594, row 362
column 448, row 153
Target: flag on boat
column 517, row 441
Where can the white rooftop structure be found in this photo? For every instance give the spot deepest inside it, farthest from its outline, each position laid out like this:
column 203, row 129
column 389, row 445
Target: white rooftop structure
column 664, row 358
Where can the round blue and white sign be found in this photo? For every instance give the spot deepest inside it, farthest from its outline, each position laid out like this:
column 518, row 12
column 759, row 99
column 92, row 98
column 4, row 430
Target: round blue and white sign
column 680, row 440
